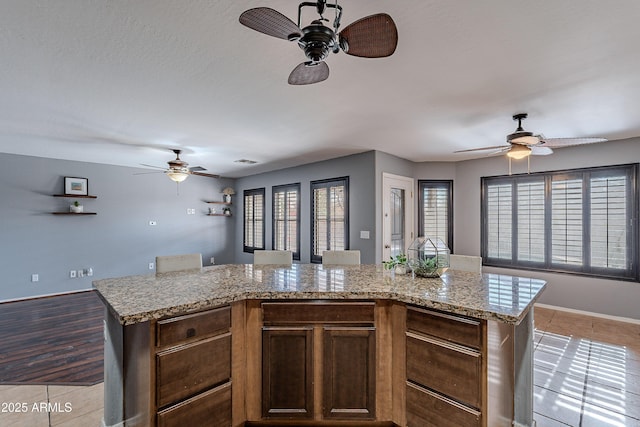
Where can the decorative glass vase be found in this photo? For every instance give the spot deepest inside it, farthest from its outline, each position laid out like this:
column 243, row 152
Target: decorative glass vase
column 428, row 257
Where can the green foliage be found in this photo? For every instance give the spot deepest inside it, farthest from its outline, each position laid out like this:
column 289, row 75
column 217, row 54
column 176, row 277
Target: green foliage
column 426, row 267
column 400, row 259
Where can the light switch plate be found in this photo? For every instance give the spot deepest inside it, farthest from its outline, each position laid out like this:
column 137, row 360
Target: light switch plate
column 364, row 234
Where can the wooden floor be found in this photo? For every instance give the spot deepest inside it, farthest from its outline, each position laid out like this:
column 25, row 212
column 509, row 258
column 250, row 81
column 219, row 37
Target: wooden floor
column 54, row 341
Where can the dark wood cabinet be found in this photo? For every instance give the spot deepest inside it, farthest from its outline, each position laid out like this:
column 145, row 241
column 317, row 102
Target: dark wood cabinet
column 318, row 360
column 444, row 368
column 349, row 372
column 193, row 369
column 211, row 408
column 287, row 372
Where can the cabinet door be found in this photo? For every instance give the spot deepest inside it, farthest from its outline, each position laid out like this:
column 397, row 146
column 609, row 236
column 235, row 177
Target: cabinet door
column 287, row 372
column 349, row 372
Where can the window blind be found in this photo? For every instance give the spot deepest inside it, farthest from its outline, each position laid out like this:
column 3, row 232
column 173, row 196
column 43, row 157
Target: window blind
column 583, row 221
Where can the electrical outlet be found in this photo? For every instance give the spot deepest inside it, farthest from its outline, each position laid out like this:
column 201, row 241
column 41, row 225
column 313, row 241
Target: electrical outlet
column 72, row 274
column 89, row 271
column 80, row 273
column 35, row 277
column 153, row 222
column 213, row 260
column 151, row 266
column 191, row 211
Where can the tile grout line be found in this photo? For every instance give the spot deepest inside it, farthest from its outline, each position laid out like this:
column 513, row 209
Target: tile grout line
column 48, row 403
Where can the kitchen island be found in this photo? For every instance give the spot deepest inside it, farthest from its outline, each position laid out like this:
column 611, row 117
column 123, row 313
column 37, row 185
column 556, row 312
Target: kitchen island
column 318, row 344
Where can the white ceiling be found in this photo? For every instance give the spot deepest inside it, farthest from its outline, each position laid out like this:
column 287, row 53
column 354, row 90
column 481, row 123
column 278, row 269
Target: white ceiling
column 121, row 82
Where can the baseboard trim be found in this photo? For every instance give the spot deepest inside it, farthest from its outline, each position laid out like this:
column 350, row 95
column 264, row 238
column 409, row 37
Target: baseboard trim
column 78, row 291
column 588, row 313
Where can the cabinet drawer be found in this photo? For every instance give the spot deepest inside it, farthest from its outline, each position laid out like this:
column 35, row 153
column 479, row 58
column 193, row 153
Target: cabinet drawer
column 461, row 330
column 428, row 409
column 186, row 370
column 318, row 312
column 212, row 408
column 192, row 327
column 447, row 368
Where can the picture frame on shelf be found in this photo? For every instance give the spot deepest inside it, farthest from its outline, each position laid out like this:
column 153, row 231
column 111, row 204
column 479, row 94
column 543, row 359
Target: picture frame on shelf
column 74, row 186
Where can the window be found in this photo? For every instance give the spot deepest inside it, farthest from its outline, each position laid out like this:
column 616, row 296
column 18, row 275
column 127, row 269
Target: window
column 583, row 221
column 253, row 219
column 330, row 216
column 286, row 219
column 436, row 210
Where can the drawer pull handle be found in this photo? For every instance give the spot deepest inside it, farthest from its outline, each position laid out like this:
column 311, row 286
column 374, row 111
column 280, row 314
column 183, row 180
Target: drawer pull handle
column 191, row 333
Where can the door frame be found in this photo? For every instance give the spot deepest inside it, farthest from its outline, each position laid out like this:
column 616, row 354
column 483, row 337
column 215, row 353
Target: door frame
column 407, row 184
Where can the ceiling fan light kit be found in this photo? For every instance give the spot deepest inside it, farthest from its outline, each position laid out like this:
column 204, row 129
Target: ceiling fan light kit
column 177, row 176
column 518, row 152
column 374, row 36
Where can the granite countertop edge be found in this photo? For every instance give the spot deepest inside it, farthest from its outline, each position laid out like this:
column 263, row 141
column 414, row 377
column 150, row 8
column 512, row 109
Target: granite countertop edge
column 162, row 309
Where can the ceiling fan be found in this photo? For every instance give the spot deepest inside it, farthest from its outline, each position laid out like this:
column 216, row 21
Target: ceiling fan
column 522, row 143
column 374, row 36
column 179, row 170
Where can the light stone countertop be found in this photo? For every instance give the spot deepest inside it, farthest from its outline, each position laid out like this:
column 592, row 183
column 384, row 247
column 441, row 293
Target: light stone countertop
column 136, row 299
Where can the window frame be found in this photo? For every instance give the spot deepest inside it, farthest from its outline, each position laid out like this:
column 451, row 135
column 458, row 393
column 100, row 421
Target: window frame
column 327, row 183
column 253, row 193
column 436, row 183
column 274, row 191
column 586, row 175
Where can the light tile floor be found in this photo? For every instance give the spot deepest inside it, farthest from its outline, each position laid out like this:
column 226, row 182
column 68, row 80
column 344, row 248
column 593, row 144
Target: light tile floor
column 586, row 373
column 50, row 405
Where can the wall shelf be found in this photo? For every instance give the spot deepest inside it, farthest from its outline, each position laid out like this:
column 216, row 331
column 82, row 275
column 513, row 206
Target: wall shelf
column 217, row 214
column 74, row 213
column 74, row 196
column 221, row 203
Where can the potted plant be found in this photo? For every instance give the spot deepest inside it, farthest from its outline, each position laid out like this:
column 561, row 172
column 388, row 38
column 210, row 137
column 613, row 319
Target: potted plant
column 228, row 192
column 76, row 207
column 226, row 211
column 397, row 263
column 426, row 267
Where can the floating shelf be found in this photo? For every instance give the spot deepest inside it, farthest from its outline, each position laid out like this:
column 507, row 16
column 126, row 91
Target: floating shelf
column 217, row 214
column 221, row 203
column 74, row 213
column 75, row 196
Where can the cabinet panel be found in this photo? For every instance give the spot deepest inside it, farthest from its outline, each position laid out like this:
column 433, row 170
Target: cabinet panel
column 318, row 312
column 192, row 327
column 349, row 372
column 211, row 408
column 287, row 372
column 447, row 368
column 461, row 330
column 186, row 370
column 428, row 409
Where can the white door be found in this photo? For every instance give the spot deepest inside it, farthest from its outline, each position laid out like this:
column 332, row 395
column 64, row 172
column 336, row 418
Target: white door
column 397, row 214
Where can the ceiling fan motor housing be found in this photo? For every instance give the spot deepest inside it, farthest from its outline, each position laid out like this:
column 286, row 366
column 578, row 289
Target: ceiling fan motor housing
column 317, row 41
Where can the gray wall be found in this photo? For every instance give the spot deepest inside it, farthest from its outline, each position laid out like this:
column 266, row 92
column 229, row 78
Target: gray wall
column 117, row 241
column 362, row 206
column 611, row 297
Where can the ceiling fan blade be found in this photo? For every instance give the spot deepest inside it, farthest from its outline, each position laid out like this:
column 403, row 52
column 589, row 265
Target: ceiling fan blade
column 374, row 36
column 270, row 22
column 147, row 173
column 152, row 166
column 208, row 175
column 568, row 142
column 538, row 150
column 495, row 147
column 308, row 73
